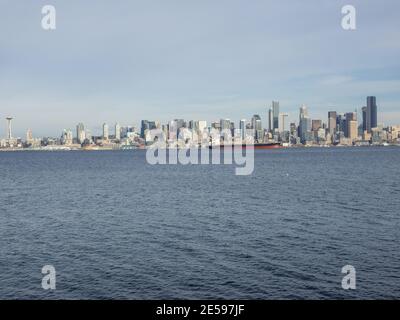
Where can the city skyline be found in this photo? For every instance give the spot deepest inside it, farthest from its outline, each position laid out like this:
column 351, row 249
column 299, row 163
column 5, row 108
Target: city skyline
column 269, row 120
column 169, row 63
column 340, row 128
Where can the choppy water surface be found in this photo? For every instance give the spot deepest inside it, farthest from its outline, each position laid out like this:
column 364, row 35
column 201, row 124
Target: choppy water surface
column 116, row 227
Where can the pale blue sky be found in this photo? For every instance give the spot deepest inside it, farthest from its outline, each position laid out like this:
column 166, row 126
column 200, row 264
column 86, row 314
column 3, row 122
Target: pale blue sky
column 125, row 61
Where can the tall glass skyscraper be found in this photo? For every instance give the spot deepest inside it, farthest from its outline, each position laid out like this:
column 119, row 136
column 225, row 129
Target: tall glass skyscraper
column 275, row 113
column 364, row 118
column 372, row 113
column 304, row 124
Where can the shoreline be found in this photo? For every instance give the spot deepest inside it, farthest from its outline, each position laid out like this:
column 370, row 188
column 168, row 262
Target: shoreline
column 145, row 148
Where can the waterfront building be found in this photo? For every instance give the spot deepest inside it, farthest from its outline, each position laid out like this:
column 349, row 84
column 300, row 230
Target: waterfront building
column 225, row 124
column 105, row 131
column 66, row 137
column 88, row 137
column 144, row 126
column 29, row 136
column 216, row 125
column 201, row 126
column 117, row 131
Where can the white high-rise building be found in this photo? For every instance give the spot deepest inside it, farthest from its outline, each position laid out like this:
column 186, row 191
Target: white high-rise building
column 80, row 133
column 202, row 125
column 88, row 135
column 282, row 120
column 117, row 131
column 29, row 136
column 105, row 131
column 66, row 137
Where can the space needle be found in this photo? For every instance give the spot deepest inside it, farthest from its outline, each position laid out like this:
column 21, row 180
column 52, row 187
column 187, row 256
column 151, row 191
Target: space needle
column 9, row 136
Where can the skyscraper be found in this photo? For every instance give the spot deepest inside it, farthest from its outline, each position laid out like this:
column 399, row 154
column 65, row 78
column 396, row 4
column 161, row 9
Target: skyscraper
column 225, row 124
column 29, row 136
column 352, row 129
column 282, row 116
column 257, row 126
column 80, row 133
column 242, row 127
column 340, row 122
column 275, row 113
column 174, row 127
column 88, row 136
column 117, row 131
column 372, row 113
column 316, row 125
column 270, row 120
column 304, row 124
column 144, row 126
column 364, row 118
column 202, row 125
column 105, row 131
column 332, row 122
column 351, row 120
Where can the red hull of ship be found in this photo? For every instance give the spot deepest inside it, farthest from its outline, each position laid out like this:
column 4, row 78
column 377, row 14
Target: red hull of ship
column 263, row 146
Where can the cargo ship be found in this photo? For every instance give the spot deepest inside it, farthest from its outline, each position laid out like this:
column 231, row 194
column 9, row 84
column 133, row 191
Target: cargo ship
column 275, row 145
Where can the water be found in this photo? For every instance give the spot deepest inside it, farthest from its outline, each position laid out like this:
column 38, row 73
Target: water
column 116, row 227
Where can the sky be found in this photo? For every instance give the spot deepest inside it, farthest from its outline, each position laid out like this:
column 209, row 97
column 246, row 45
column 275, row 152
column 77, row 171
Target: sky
column 123, row 61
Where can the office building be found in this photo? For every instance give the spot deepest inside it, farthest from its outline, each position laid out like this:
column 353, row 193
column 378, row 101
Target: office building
column 275, row 114
column 242, row 127
column 351, row 117
column 332, row 122
column 316, row 125
column 80, row 133
column 364, row 118
column 371, row 114
column 105, row 131
column 117, row 131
